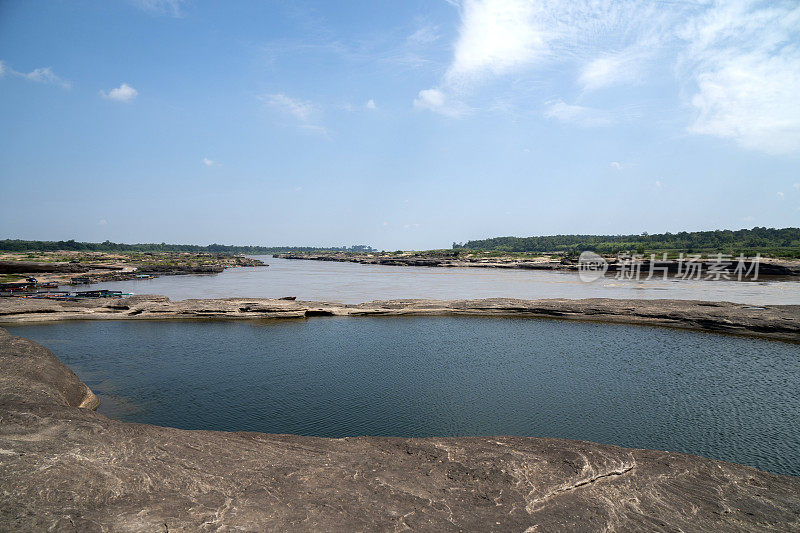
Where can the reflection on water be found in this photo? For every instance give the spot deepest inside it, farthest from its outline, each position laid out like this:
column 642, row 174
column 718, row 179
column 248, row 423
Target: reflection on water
column 722, row 397
column 356, row 283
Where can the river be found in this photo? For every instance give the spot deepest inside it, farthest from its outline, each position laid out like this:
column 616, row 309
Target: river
column 356, row 283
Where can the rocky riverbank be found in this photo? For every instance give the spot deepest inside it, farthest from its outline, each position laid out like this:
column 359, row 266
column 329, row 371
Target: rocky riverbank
column 67, row 468
column 65, row 267
column 780, row 322
column 454, row 259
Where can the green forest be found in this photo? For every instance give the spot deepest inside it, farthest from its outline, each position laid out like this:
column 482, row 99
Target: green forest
column 771, row 242
column 15, row 245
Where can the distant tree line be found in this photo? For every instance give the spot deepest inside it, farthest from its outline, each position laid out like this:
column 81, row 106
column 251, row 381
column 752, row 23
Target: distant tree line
column 16, row 245
column 767, row 241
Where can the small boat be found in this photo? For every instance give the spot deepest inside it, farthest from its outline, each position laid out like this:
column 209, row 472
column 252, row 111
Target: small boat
column 17, row 286
column 50, row 295
column 102, row 293
column 47, row 285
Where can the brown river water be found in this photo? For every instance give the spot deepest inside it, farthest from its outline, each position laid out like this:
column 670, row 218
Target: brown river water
column 355, row 283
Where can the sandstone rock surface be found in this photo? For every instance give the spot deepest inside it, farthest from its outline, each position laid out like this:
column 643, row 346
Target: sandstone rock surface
column 780, row 322
column 767, row 267
column 67, row 468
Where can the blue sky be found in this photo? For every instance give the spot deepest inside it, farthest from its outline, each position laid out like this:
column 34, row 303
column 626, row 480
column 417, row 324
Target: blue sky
column 404, row 125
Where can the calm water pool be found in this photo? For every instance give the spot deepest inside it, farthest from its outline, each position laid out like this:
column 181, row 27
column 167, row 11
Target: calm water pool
column 721, row 397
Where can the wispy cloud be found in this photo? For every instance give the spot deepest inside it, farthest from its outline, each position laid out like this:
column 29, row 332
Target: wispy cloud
column 160, row 7
column 736, row 61
column 613, row 69
column 503, row 37
column 46, row 75
column 424, row 35
column 209, row 162
column 745, row 59
column 316, row 129
column 124, row 93
column 413, row 52
column 39, row 75
column 297, row 108
column 438, row 102
column 301, row 110
column 497, row 37
column 577, row 114
column 371, row 105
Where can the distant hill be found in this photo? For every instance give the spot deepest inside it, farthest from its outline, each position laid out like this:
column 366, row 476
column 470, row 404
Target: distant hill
column 783, row 242
column 15, row 245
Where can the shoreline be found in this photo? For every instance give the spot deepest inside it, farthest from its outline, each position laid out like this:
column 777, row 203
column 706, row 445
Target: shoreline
column 105, row 474
column 774, row 322
column 81, row 268
column 772, row 268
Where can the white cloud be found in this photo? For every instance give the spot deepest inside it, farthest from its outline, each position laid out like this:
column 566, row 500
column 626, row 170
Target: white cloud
column 371, row 105
column 43, row 75
column 752, row 99
column 796, row 186
column 297, row 108
column 102, row 222
column 124, row 93
column 736, row 61
column 612, row 69
column 749, row 218
column 780, row 195
column 495, row 36
column 208, row 162
column 435, row 100
column 577, row 114
column 502, row 37
column 745, row 60
column 424, row 35
column 304, row 112
column 615, row 165
column 316, row 129
column 39, row 75
column 160, row 7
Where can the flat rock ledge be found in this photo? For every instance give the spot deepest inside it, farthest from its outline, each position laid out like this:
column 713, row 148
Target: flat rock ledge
column 64, row 467
column 780, row 322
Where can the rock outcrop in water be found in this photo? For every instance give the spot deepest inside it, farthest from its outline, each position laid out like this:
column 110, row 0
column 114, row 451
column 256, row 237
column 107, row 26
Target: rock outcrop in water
column 67, row 468
column 774, row 321
column 767, row 267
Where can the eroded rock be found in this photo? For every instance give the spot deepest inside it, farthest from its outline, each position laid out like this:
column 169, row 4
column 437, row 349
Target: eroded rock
column 775, row 321
column 67, row 468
